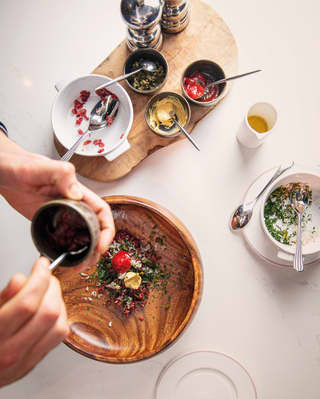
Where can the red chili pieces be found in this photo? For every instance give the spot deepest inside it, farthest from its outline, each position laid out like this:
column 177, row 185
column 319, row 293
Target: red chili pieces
column 121, row 262
column 78, row 110
column 104, row 93
column 98, row 142
column 195, row 86
column 109, row 120
column 84, row 95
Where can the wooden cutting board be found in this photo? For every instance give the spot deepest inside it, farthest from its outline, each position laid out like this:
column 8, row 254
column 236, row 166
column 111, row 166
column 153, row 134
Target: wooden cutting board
column 206, row 37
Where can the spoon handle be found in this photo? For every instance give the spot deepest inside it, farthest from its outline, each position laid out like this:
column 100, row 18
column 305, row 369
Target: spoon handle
column 57, row 262
column 234, row 77
column 122, row 77
column 274, row 176
column 69, row 153
column 277, row 173
column 187, row 135
column 298, row 259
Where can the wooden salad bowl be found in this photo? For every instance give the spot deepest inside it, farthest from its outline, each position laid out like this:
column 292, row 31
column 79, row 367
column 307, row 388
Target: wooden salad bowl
column 101, row 331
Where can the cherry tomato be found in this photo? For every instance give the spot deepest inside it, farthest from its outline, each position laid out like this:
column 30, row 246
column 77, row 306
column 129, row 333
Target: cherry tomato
column 121, row 262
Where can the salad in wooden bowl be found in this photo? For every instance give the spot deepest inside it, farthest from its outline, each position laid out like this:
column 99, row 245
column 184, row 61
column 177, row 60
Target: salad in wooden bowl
column 143, row 292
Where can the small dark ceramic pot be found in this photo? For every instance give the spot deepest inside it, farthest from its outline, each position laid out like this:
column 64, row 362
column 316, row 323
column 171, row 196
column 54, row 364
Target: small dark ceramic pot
column 150, row 55
column 211, row 69
column 45, row 216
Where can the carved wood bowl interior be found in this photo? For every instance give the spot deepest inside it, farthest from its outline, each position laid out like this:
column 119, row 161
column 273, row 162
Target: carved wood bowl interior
column 102, row 332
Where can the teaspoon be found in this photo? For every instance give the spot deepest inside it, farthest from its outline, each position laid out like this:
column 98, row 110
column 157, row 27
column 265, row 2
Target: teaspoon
column 148, row 66
column 243, row 213
column 61, row 258
column 97, row 122
column 183, row 130
column 217, row 82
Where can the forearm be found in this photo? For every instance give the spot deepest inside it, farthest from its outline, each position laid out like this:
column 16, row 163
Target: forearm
column 8, row 146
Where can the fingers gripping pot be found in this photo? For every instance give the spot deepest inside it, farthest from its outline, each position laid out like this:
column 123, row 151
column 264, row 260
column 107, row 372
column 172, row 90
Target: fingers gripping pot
column 64, row 225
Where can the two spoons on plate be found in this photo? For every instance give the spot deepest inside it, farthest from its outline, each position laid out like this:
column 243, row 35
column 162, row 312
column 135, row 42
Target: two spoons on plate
column 100, row 118
column 299, row 200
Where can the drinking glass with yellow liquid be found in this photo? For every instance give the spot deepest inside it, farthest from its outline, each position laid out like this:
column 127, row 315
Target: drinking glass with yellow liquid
column 259, row 123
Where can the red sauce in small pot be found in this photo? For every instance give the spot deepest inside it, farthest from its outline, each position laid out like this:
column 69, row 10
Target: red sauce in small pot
column 195, row 86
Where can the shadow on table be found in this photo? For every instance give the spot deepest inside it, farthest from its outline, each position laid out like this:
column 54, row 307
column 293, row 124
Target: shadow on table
column 284, row 282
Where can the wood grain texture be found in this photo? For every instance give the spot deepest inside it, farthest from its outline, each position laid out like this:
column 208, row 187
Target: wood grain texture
column 148, row 331
column 206, row 37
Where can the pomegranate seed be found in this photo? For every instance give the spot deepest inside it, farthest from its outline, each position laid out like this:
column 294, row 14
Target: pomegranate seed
column 83, row 112
column 85, row 93
column 87, row 142
column 121, row 137
column 100, row 151
column 78, row 121
column 80, row 131
column 77, row 104
column 109, row 120
column 101, row 144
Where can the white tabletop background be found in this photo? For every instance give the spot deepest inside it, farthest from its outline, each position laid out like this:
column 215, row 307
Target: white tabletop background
column 265, row 317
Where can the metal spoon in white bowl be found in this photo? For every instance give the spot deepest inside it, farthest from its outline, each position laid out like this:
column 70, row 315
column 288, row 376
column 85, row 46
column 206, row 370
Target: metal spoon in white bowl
column 61, row 258
column 145, row 65
column 299, row 202
column 243, row 213
column 97, row 122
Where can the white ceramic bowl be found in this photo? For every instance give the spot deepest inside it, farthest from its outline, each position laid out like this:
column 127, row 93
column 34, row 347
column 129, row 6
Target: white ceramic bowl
column 64, row 125
column 311, row 177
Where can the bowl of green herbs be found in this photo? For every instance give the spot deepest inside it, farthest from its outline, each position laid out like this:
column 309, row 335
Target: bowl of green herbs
column 145, row 82
column 279, row 219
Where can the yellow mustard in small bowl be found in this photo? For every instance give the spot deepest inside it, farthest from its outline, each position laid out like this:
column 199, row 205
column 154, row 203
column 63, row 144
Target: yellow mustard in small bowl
column 163, row 109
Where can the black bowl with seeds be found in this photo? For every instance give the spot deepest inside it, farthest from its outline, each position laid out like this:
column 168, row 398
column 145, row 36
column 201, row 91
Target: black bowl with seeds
column 145, row 82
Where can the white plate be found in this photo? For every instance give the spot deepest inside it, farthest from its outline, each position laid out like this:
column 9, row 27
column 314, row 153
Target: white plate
column 64, row 122
column 204, row 375
column 253, row 232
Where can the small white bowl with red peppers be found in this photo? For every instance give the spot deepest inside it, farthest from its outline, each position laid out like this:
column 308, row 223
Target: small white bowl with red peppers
column 71, row 111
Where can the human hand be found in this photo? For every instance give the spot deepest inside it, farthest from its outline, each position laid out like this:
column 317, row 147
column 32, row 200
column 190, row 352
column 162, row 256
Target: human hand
column 33, row 321
column 28, row 180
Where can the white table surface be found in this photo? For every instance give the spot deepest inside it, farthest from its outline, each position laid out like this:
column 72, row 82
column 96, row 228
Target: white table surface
column 265, row 317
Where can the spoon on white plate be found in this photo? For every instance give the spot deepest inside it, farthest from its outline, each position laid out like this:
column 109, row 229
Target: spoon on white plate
column 243, row 213
column 97, row 122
